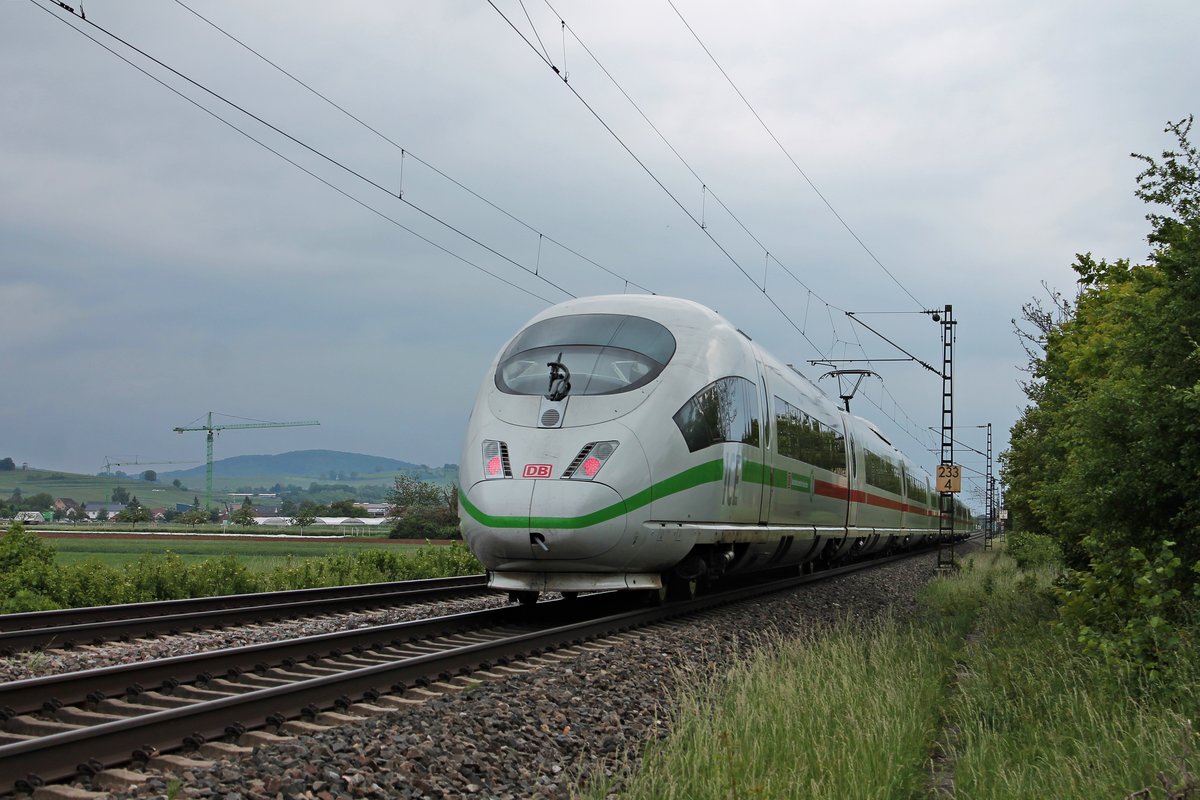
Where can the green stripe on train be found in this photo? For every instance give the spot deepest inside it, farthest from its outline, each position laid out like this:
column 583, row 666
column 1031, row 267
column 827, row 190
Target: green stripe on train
column 708, row 472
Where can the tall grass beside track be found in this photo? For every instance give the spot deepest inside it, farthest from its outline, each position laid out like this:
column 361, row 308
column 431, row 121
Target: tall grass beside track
column 980, row 697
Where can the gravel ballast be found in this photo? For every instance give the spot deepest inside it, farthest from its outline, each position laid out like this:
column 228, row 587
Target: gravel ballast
column 52, row 661
column 540, row 733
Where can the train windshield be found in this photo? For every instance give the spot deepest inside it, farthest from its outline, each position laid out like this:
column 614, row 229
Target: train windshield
column 601, row 354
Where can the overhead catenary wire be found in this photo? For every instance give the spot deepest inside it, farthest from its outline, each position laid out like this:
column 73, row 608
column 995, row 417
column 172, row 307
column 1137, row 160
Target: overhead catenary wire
column 535, row 271
column 705, row 191
column 649, row 172
column 329, row 159
column 828, row 204
column 407, row 153
column 272, row 150
column 784, row 150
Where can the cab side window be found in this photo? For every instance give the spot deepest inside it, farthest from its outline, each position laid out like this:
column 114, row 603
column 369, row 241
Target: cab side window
column 724, row 411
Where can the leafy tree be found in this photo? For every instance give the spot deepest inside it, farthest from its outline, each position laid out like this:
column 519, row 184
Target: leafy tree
column 193, row 517
column 42, row 501
column 7, row 465
column 178, row 484
column 133, row 513
column 410, row 492
column 244, row 515
column 102, row 515
column 120, row 495
column 344, row 508
column 213, row 515
column 423, row 509
column 1106, row 458
column 195, row 503
column 150, row 476
column 304, row 516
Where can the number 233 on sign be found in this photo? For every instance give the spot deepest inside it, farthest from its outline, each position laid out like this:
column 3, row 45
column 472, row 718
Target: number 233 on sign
column 949, row 478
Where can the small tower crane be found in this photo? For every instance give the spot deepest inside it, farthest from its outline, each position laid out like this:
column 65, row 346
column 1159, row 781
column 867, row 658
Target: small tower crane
column 214, row 428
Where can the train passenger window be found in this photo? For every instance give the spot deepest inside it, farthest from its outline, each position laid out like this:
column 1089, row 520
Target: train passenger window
column 882, row 472
column 605, row 354
column 724, row 411
column 918, row 492
column 805, row 438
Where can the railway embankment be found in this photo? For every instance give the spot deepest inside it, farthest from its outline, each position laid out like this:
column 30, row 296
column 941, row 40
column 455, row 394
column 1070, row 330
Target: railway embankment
column 975, row 692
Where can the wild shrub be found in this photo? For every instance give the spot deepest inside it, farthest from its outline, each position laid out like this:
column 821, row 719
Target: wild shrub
column 1128, row 607
column 26, row 571
column 1033, row 549
column 214, row 576
column 92, row 583
column 425, row 522
column 30, row 580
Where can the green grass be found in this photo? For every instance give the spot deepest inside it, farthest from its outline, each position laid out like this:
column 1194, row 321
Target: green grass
column 984, row 677
column 849, row 714
column 1039, row 718
column 256, row 555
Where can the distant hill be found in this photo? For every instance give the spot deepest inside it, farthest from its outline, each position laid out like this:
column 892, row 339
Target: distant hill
column 299, row 463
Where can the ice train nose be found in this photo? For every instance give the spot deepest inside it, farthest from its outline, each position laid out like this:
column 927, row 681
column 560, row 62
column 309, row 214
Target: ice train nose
column 574, row 519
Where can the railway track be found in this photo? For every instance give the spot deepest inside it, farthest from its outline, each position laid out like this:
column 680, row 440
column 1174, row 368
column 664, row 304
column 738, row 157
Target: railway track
column 57, row 726
column 72, row 626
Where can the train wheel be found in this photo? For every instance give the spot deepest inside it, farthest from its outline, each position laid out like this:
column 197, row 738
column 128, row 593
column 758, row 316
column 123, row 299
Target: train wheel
column 656, row 597
column 682, row 590
column 524, row 598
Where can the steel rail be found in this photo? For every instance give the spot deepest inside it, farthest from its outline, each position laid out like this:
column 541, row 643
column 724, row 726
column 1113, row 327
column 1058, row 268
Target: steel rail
column 33, row 694
column 99, row 623
column 57, row 756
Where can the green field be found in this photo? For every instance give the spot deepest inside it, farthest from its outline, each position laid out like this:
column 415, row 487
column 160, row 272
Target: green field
column 93, row 489
column 258, row 556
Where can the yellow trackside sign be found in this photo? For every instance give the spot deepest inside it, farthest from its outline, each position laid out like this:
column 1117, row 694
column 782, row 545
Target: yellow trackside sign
column 949, row 478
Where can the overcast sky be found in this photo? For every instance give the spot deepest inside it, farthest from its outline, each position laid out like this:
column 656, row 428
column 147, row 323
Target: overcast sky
column 156, row 264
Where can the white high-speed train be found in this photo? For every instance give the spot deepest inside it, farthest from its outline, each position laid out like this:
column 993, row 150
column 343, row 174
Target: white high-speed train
column 644, row 442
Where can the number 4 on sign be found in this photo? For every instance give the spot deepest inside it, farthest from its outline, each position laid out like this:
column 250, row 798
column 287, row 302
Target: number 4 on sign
column 949, row 478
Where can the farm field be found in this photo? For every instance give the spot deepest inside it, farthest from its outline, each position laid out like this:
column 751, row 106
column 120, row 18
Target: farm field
column 259, row 555
column 91, row 489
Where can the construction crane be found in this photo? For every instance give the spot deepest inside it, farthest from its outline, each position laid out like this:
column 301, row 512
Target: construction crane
column 214, row 428
column 109, row 464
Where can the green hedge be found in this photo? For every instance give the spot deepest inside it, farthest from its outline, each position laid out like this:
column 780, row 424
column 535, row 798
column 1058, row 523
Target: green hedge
column 31, row 581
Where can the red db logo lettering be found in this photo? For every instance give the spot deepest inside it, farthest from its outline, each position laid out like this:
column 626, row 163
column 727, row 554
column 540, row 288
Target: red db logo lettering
column 537, row 471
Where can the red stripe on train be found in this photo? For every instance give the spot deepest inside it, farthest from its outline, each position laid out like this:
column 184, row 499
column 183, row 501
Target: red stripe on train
column 839, row 492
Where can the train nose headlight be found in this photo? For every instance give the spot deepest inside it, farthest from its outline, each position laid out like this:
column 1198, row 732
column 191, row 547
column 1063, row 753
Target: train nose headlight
column 590, row 460
column 495, row 460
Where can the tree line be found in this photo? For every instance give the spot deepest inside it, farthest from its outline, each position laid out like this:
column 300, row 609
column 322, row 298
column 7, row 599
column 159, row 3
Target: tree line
column 1105, row 459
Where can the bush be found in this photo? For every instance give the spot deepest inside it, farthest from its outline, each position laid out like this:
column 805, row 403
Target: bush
column 30, row 580
column 1031, row 550
column 425, row 522
column 27, row 571
column 1128, row 608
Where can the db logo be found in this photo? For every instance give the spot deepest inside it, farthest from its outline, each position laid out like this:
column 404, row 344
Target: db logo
column 537, row 471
